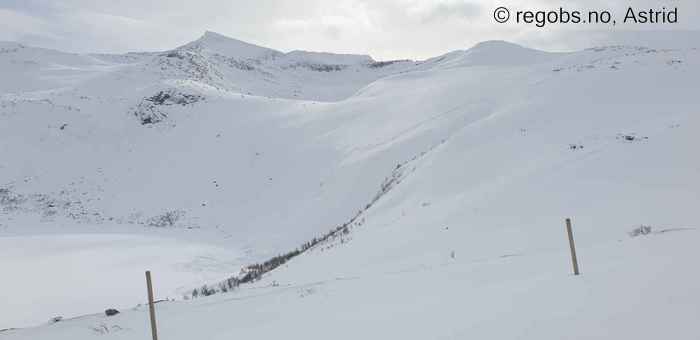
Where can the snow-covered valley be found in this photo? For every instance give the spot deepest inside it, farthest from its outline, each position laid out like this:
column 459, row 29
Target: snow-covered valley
column 449, row 180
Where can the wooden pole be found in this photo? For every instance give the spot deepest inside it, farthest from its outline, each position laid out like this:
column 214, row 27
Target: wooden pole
column 574, row 261
column 151, row 306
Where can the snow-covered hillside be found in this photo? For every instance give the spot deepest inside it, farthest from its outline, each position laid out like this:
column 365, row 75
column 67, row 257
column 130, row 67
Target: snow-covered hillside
column 456, row 172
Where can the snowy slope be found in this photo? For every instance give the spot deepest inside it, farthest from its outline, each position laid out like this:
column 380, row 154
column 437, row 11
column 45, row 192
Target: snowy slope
column 489, row 148
column 169, row 146
column 26, row 68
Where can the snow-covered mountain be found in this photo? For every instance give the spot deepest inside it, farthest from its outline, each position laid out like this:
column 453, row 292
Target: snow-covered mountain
column 448, row 181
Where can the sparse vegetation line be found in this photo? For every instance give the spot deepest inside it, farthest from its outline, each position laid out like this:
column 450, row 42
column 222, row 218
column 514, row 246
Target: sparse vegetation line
column 254, row 272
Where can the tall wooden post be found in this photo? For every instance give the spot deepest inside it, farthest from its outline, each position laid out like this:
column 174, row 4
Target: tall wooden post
column 574, row 261
column 151, row 306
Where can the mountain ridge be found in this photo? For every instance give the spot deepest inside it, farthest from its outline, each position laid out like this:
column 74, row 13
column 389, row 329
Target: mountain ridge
column 254, row 51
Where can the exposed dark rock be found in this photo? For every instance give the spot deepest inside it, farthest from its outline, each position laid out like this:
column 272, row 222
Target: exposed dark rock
column 318, row 67
column 631, row 137
column 149, row 112
column 379, row 64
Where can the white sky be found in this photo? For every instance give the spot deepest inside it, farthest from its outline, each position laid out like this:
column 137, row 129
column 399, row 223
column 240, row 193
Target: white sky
column 385, row 29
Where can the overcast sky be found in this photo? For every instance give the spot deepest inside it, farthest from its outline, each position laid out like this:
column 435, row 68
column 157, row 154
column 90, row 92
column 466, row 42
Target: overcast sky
column 385, row 29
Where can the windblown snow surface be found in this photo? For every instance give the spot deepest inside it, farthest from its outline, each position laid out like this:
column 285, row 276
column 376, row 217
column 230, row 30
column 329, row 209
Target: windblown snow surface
column 457, row 173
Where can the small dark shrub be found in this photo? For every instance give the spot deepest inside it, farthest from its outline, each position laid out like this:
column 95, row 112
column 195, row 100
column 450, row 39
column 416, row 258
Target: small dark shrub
column 111, row 312
column 167, row 219
column 642, row 230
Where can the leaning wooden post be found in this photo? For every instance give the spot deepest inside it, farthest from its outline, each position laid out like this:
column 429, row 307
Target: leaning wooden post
column 574, row 261
column 151, row 306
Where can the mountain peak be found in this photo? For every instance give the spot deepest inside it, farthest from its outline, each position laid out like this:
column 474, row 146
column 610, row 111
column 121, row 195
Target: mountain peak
column 494, row 52
column 220, row 44
column 213, row 35
column 496, row 44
